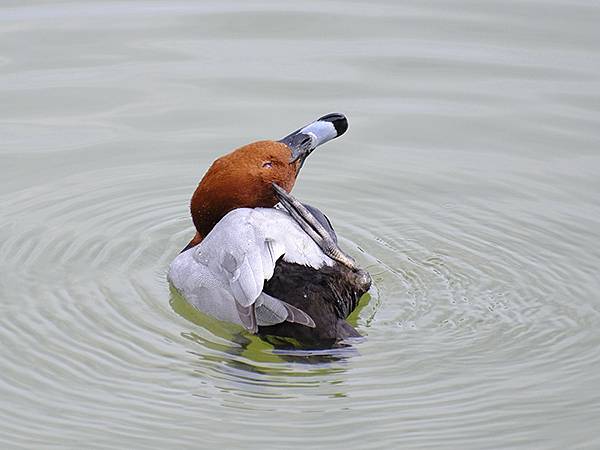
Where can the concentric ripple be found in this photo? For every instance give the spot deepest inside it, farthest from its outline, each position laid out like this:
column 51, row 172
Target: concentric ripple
column 88, row 262
column 467, row 184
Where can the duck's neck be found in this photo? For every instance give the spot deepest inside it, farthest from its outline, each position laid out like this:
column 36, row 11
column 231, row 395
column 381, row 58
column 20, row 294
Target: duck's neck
column 195, row 241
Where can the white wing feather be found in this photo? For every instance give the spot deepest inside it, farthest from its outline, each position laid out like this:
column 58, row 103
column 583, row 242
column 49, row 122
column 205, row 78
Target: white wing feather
column 225, row 274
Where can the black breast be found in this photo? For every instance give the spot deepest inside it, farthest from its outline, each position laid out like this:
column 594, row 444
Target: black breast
column 328, row 295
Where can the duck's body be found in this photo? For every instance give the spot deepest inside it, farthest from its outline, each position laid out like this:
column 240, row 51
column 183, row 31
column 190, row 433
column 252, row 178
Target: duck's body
column 275, row 271
column 260, row 259
column 228, row 269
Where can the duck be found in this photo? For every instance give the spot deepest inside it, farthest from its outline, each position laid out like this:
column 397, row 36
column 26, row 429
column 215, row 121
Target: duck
column 262, row 259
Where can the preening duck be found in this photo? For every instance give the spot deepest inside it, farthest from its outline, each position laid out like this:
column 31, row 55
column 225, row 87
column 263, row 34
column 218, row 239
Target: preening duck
column 262, row 259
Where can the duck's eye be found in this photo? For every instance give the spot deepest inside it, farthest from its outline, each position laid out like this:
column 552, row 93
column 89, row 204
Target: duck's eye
column 267, row 164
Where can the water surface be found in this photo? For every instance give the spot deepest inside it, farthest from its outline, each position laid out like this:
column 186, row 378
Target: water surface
column 468, row 184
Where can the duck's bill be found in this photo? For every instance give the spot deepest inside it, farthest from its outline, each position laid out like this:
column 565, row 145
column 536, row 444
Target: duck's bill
column 303, row 141
column 311, row 226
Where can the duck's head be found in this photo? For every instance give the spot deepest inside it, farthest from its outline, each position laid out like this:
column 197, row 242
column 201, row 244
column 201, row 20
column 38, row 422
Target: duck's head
column 244, row 177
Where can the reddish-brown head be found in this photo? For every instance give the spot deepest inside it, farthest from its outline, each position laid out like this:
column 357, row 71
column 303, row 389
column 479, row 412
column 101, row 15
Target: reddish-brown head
column 244, row 177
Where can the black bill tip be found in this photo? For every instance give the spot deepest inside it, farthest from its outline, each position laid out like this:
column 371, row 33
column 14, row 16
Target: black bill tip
column 338, row 120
